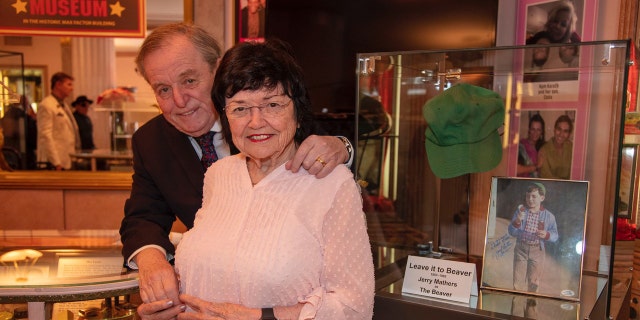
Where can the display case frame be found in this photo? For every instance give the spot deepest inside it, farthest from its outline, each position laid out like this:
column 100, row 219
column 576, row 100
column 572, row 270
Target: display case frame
column 411, row 211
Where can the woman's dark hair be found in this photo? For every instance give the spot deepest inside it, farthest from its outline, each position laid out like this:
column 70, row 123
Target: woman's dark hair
column 254, row 66
column 537, row 118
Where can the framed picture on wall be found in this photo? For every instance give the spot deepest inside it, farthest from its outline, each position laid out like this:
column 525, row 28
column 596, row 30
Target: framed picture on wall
column 552, row 70
column 535, row 237
column 250, row 20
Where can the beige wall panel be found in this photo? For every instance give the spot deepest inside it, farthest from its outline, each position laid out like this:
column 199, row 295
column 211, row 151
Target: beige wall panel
column 31, row 209
column 94, row 209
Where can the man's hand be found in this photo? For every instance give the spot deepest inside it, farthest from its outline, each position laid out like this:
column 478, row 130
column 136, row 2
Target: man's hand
column 319, row 155
column 210, row 310
column 158, row 286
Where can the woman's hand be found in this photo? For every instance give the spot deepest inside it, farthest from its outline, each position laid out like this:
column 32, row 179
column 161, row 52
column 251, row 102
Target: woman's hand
column 201, row 309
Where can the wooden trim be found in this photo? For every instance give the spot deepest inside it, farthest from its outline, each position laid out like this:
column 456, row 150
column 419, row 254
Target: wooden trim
column 67, row 180
column 188, row 11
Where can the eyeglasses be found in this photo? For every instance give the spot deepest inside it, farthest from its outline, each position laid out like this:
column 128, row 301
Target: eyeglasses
column 268, row 109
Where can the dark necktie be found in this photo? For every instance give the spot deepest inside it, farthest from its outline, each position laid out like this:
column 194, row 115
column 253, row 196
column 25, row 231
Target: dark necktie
column 209, row 155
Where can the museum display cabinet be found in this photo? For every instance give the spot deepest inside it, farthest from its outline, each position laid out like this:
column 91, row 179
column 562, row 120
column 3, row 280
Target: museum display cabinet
column 78, row 274
column 412, row 211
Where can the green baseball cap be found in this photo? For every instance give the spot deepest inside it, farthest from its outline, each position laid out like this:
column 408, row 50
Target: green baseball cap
column 462, row 133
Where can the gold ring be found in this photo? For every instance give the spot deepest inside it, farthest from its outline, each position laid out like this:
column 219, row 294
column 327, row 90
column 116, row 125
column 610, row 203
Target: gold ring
column 321, row 161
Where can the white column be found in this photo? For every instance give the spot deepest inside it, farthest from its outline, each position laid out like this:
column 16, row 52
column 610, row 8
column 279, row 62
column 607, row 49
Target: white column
column 94, row 70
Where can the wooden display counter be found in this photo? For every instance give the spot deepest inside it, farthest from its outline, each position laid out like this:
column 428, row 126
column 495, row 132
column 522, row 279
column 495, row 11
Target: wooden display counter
column 63, row 200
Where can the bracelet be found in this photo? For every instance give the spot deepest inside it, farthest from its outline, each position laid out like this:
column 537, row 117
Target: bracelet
column 267, row 314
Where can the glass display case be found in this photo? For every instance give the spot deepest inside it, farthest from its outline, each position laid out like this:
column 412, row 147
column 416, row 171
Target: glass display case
column 53, row 274
column 413, row 209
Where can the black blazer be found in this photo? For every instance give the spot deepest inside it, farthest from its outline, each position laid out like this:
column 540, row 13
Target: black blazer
column 167, row 183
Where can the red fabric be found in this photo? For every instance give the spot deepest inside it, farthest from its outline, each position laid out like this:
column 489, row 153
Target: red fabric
column 625, row 230
column 632, row 84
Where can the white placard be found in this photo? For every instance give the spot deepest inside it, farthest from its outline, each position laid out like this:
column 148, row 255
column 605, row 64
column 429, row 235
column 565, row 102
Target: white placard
column 443, row 279
column 89, row 266
column 550, row 91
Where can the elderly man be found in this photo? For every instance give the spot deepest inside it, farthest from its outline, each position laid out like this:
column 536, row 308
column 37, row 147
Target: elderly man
column 171, row 152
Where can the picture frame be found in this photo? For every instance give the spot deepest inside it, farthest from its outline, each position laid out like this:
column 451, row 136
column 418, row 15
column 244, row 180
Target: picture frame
column 533, row 14
column 555, row 84
column 515, row 257
column 546, row 117
column 250, row 20
column 627, row 202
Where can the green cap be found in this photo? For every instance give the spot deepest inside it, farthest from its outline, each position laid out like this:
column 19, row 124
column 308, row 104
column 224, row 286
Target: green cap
column 541, row 189
column 462, row 133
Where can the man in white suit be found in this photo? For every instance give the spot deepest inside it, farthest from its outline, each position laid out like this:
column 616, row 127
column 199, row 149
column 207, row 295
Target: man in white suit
column 58, row 134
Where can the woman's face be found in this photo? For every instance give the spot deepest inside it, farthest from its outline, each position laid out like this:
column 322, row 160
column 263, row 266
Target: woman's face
column 558, row 26
column 265, row 132
column 535, row 131
column 561, row 132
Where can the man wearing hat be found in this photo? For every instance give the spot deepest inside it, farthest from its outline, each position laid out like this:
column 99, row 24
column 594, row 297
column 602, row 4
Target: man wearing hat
column 85, row 126
column 532, row 225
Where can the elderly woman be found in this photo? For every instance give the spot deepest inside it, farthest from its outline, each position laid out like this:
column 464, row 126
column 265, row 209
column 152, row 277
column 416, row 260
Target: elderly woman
column 267, row 239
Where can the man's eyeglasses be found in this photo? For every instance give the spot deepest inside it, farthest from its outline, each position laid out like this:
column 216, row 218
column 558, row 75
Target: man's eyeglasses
column 268, row 109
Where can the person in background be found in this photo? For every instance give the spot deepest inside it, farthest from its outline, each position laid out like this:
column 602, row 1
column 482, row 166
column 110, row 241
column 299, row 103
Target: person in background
column 532, row 225
column 85, row 126
column 554, row 157
column 179, row 62
column 252, row 16
column 529, row 146
column 58, row 134
column 4, row 166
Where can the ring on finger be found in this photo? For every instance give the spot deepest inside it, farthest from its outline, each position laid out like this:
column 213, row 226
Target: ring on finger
column 318, row 159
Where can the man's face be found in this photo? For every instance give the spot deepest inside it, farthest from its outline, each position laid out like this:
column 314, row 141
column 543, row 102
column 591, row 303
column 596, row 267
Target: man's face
column 561, row 132
column 534, row 199
column 64, row 88
column 82, row 108
column 182, row 80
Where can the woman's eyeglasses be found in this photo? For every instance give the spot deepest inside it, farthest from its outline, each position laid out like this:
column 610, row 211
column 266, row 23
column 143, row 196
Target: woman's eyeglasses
column 268, row 109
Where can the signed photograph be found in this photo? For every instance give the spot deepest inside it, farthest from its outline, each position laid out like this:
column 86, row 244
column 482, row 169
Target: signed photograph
column 535, row 237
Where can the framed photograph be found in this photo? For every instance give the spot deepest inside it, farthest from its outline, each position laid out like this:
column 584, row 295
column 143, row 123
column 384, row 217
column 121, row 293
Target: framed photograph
column 535, row 237
column 551, row 142
column 250, row 20
column 627, row 190
column 564, row 21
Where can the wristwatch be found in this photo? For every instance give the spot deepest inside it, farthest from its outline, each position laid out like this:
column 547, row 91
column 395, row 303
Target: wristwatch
column 349, row 147
column 267, row 314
